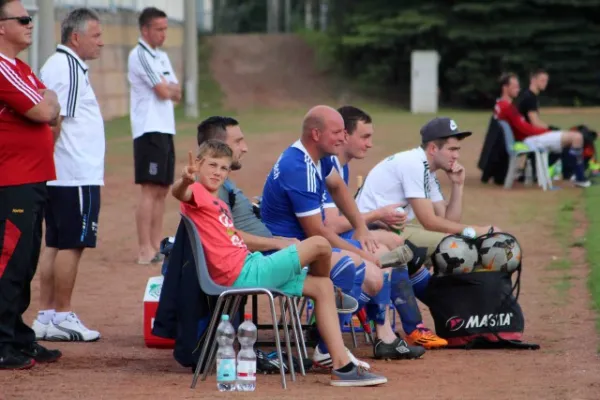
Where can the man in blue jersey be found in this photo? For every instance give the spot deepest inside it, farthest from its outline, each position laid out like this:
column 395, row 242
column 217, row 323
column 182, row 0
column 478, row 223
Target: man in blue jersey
column 359, row 139
column 292, row 206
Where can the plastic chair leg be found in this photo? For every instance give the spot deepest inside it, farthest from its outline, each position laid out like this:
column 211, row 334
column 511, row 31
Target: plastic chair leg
column 511, row 172
column 286, row 335
column 297, row 314
column 292, row 311
column 212, row 355
column 277, row 341
column 209, row 333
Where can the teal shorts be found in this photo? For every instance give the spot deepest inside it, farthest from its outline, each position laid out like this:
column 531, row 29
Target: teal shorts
column 280, row 270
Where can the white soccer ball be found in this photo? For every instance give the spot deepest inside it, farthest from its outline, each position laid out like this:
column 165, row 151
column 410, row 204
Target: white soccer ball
column 500, row 252
column 454, row 255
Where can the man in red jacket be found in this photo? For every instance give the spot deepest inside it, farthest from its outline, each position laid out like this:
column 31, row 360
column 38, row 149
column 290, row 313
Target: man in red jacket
column 27, row 109
column 535, row 136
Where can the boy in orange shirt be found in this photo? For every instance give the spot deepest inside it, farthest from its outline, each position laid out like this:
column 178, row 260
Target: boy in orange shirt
column 230, row 263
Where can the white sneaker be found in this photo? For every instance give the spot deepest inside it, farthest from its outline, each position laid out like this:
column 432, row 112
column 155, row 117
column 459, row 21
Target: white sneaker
column 40, row 329
column 71, row 330
column 584, row 184
column 324, row 361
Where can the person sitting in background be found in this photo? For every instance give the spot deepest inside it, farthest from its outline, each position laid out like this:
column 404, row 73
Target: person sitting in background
column 230, row 263
column 528, row 102
column 539, row 137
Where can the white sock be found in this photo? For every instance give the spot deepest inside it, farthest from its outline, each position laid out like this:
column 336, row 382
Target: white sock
column 60, row 317
column 45, row 316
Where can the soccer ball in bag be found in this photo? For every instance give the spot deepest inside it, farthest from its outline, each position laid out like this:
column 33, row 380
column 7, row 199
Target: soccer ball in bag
column 500, row 252
column 454, row 255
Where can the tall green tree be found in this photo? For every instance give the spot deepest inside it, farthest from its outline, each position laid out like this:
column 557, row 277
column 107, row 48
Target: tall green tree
column 477, row 41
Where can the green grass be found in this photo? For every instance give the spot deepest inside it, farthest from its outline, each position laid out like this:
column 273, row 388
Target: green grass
column 563, row 228
column 592, row 246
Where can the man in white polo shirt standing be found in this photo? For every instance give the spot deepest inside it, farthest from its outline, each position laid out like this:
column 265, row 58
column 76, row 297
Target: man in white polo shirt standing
column 154, row 88
column 73, row 206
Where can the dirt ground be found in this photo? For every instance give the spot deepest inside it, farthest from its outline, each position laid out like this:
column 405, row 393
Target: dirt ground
column 265, row 71
column 110, row 286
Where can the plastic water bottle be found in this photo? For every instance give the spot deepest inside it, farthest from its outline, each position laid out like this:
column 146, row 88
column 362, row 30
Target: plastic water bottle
column 246, row 358
column 225, row 356
column 401, row 211
column 557, row 171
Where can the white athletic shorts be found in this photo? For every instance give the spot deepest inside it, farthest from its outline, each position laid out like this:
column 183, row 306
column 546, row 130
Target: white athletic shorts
column 549, row 141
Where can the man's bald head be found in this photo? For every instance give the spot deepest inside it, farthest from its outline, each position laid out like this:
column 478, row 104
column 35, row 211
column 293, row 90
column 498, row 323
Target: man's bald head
column 324, row 126
column 318, row 118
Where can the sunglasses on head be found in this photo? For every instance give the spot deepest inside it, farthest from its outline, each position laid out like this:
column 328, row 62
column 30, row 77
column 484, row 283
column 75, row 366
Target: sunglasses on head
column 25, row 20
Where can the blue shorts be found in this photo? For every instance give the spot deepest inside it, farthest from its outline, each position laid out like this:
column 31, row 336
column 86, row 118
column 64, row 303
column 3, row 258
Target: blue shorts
column 71, row 216
column 347, row 235
column 354, row 243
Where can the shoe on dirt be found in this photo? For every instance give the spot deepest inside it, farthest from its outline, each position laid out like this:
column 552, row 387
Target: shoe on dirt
column 71, row 330
column 356, row 377
column 40, row 354
column 426, row 338
column 40, row 329
column 14, row 359
column 268, row 363
column 323, row 361
column 397, row 350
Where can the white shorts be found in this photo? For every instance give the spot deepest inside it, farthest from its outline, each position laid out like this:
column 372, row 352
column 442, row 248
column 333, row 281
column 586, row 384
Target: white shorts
column 549, row 141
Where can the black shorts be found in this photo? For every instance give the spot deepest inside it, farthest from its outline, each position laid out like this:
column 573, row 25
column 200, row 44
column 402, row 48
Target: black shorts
column 154, row 158
column 72, row 216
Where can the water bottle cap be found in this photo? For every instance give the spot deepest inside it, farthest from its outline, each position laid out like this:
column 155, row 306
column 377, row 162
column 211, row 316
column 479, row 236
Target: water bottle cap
column 224, row 317
column 247, row 317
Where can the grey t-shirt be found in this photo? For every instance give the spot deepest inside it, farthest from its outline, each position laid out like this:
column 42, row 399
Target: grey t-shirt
column 243, row 215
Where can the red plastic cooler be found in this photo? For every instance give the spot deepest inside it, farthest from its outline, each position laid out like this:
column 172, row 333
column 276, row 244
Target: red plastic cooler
column 151, row 297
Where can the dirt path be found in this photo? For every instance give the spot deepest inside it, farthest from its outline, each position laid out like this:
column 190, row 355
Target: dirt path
column 109, row 292
column 265, row 71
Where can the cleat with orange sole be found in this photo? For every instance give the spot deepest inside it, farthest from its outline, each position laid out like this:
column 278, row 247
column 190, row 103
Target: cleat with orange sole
column 426, row 338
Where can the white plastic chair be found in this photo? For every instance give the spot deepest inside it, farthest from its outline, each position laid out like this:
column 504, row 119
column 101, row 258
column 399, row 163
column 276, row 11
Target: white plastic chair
column 517, row 149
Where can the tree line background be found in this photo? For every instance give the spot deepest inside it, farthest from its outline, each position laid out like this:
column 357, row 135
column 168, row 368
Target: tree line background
column 370, row 41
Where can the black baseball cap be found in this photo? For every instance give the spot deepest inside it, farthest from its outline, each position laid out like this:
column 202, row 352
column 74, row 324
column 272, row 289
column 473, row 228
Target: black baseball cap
column 441, row 128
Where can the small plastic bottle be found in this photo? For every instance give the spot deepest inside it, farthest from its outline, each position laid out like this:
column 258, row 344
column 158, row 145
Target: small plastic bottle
column 246, row 358
column 225, row 356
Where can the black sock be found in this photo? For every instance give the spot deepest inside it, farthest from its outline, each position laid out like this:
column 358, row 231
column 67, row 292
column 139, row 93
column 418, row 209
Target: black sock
column 346, row 368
